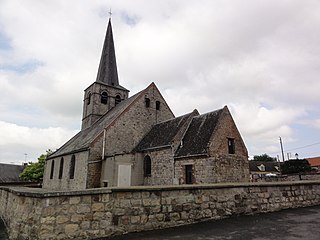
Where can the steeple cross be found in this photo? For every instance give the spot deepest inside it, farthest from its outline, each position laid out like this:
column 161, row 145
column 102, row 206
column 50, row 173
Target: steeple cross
column 110, row 13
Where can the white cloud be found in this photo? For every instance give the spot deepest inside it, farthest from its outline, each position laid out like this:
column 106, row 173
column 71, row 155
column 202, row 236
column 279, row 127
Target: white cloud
column 21, row 139
column 261, row 58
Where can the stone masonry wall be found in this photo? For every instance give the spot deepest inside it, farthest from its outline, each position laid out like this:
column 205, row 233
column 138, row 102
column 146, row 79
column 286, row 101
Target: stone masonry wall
column 80, row 174
column 38, row 214
column 132, row 125
column 221, row 168
column 162, row 168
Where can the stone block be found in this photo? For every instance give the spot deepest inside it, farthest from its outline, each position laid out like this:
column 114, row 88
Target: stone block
column 62, row 219
column 105, row 198
column 97, row 207
column 74, row 200
column 77, row 218
column 85, row 225
column 86, row 199
column 71, row 229
column 135, row 219
column 83, row 208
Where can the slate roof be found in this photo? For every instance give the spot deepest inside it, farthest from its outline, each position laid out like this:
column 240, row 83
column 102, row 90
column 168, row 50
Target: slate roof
column 162, row 134
column 84, row 138
column 107, row 72
column 269, row 166
column 10, row 172
column 197, row 137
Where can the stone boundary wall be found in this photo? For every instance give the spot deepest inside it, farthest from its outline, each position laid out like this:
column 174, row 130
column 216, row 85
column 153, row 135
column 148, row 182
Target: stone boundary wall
column 40, row 214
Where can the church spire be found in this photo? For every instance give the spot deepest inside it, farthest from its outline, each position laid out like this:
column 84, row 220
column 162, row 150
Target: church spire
column 107, row 72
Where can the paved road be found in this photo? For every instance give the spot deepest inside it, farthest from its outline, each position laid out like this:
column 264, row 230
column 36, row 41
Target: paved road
column 293, row 224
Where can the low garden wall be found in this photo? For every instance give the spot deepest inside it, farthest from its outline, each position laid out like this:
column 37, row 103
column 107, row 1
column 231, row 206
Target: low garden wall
column 39, row 214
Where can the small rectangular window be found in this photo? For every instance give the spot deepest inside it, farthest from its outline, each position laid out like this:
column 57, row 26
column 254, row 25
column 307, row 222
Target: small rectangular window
column 231, row 146
column 147, row 166
column 147, row 101
column 189, row 174
column 158, row 105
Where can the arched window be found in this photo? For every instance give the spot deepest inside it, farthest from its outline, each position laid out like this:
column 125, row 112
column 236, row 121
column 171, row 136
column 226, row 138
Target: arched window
column 117, row 99
column 104, row 97
column 61, row 168
column 52, row 169
column 158, row 105
column 72, row 167
column 89, row 98
column 147, row 166
column 147, row 102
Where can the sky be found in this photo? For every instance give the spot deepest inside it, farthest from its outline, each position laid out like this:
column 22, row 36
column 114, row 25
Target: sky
column 261, row 58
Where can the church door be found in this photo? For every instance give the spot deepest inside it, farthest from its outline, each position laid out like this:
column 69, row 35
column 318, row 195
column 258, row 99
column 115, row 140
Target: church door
column 124, row 175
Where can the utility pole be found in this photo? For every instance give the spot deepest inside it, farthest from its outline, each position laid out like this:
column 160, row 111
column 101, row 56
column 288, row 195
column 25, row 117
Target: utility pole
column 281, row 149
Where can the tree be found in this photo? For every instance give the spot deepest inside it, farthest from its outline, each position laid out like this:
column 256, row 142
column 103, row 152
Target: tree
column 34, row 171
column 264, row 158
column 295, row 166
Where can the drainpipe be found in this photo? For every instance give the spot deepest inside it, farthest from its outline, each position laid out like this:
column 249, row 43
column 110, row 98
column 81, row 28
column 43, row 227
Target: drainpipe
column 103, row 143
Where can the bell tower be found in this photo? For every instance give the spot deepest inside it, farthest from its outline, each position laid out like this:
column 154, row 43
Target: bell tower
column 105, row 93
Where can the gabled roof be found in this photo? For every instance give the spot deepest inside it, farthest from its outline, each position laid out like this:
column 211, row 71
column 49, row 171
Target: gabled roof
column 195, row 141
column 269, row 166
column 107, row 72
column 10, row 172
column 314, row 162
column 84, row 138
column 162, row 134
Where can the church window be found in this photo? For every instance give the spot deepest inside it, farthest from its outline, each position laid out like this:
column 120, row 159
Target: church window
column 104, row 97
column 231, row 146
column 52, row 169
column 158, row 105
column 89, row 98
column 147, row 102
column 61, row 168
column 147, row 166
column 117, row 99
column 72, row 167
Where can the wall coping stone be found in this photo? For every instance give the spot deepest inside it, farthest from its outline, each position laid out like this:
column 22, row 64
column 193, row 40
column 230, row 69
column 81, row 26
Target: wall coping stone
column 44, row 193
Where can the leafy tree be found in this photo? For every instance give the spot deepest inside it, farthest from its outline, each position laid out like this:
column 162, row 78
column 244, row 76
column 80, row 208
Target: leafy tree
column 34, row 171
column 264, row 158
column 295, row 166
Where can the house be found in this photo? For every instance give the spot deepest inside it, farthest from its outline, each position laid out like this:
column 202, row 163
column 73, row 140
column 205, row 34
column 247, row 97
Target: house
column 130, row 141
column 262, row 169
column 314, row 163
column 9, row 173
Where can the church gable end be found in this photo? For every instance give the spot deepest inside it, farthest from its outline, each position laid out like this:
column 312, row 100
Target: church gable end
column 226, row 138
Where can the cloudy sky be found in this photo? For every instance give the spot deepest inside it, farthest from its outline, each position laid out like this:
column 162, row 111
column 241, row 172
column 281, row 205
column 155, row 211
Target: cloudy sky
column 259, row 57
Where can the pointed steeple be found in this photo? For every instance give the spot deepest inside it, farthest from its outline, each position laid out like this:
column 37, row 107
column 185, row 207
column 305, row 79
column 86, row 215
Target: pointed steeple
column 107, row 72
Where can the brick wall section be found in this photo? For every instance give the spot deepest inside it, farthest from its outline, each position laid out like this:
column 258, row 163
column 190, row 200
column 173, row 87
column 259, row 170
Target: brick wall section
column 37, row 214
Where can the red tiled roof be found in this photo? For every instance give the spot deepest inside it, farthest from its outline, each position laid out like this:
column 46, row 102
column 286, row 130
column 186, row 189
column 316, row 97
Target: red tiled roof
column 314, row 162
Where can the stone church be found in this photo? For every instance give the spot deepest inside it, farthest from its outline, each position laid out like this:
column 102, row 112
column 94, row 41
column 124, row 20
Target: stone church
column 130, row 141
